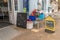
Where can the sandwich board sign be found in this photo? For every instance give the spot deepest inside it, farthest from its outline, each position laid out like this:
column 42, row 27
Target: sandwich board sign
column 49, row 24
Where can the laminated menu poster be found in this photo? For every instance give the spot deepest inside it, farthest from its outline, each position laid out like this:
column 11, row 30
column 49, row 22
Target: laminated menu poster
column 50, row 24
column 26, row 6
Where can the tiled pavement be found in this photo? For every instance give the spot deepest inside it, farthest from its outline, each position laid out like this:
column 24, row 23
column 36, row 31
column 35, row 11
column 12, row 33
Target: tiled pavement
column 41, row 35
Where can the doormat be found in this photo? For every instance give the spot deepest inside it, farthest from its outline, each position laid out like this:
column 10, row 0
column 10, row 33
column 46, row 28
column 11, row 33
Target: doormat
column 4, row 24
column 37, row 30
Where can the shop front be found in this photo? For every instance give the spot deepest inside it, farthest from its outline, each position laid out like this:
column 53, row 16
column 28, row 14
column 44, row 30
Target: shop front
column 27, row 6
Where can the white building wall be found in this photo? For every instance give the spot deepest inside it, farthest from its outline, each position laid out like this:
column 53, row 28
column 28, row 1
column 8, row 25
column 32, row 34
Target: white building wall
column 32, row 5
column 47, row 5
column 20, row 5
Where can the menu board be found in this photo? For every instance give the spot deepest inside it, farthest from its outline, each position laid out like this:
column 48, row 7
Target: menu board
column 22, row 20
column 50, row 24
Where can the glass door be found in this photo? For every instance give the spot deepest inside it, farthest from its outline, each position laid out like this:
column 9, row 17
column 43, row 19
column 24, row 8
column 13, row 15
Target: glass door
column 11, row 11
column 15, row 10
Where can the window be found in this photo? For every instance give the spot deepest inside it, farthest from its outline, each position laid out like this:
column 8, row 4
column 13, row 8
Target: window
column 16, row 4
column 10, row 5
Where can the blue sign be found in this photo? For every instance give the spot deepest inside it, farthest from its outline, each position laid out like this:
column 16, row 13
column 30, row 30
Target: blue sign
column 26, row 5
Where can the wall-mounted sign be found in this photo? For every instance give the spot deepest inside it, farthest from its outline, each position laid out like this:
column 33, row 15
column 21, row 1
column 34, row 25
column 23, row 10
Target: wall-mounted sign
column 26, row 5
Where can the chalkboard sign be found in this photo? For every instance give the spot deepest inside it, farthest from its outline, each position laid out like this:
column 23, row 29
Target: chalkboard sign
column 50, row 24
column 22, row 20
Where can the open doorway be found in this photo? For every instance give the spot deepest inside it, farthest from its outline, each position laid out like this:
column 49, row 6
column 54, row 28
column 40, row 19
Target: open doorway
column 4, row 15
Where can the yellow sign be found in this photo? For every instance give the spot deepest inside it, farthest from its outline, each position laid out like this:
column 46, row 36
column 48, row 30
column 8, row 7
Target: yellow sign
column 50, row 23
